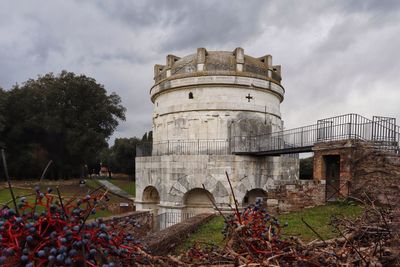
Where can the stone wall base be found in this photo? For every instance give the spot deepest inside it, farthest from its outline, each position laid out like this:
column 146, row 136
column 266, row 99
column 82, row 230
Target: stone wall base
column 296, row 196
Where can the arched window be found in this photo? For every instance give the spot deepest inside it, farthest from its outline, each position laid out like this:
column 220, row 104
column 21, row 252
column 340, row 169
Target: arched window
column 198, row 197
column 190, row 95
column 150, row 195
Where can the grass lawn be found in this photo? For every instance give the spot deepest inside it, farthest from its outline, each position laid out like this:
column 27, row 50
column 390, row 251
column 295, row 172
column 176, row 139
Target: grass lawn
column 127, row 186
column 318, row 217
column 209, row 233
column 92, row 183
column 5, row 194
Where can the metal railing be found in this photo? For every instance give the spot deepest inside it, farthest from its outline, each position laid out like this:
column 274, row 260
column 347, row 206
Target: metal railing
column 168, row 219
column 184, row 147
column 382, row 132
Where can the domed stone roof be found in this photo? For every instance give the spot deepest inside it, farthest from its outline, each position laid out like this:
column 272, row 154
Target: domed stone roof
column 205, row 63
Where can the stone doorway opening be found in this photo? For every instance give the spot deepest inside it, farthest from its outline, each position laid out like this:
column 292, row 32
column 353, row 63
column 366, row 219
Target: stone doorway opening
column 253, row 195
column 332, row 176
column 197, row 200
column 151, row 198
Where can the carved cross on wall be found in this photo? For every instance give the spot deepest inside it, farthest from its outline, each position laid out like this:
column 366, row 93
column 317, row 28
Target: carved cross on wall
column 249, row 97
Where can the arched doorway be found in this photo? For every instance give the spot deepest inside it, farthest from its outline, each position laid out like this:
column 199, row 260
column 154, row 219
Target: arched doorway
column 253, row 195
column 198, row 200
column 150, row 198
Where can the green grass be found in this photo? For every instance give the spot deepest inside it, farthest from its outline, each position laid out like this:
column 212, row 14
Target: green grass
column 101, row 214
column 318, row 217
column 209, row 233
column 92, row 183
column 127, row 186
column 5, row 194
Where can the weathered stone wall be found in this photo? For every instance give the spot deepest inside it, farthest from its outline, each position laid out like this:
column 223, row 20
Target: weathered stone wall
column 211, row 125
column 173, row 176
column 376, row 173
column 296, row 196
column 216, row 89
column 344, row 149
column 363, row 169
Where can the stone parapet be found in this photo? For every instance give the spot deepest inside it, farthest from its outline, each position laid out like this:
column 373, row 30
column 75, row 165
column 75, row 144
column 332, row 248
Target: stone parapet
column 205, row 62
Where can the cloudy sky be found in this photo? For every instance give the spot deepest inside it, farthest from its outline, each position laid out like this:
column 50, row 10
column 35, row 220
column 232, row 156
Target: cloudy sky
column 337, row 56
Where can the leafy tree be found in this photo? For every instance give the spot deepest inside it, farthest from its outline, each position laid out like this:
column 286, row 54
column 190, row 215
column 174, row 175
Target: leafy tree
column 67, row 118
column 147, row 137
column 120, row 158
column 123, row 153
column 150, row 136
column 144, row 137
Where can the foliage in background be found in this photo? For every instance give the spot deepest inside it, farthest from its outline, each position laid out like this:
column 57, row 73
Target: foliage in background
column 2, row 117
column 66, row 118
column 120, row 158
column 306, row 168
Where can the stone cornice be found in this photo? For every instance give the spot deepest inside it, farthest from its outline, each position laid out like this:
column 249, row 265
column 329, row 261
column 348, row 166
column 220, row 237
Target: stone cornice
column 231, row 81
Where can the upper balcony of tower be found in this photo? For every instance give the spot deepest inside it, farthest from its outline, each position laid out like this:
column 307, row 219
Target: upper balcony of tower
column 207, row 63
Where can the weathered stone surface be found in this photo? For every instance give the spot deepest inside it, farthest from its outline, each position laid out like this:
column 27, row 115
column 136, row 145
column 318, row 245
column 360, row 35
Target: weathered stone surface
column 364, row 170
column 245, row 172
column 164, row 241
column 220, row 190
column 212, row 96
column 296, row 196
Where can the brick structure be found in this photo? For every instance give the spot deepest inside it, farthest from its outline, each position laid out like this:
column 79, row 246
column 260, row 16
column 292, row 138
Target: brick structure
column 324, row 154
column 296, row 196
column 363, row 171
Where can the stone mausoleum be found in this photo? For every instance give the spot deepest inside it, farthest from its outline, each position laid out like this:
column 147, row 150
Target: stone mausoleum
column 204, row 104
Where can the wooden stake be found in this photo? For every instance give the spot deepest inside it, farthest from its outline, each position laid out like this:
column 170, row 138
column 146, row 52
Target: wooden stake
column 9, row 181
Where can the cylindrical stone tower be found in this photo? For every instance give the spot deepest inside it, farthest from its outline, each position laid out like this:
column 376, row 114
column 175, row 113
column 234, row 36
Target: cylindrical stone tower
column 202, row 102
column 198, row 96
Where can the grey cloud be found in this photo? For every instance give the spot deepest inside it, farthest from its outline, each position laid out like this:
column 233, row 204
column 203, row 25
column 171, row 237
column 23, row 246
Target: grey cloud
column 336, row 56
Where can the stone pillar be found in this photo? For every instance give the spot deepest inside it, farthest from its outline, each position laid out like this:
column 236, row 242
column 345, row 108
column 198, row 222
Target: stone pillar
column 171, row 59
column 267, row 59
column 239, row 54
column 277, row 69
column 201, row 58
column 157, row 69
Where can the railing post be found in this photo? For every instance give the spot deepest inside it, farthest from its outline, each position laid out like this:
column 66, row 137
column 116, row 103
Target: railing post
column 350, row 126
column 301, row 137
column 168, row 147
